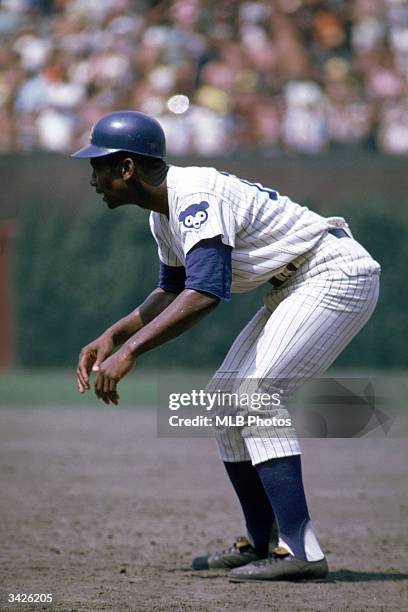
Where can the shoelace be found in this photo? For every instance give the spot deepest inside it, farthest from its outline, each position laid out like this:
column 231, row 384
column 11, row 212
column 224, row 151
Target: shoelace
column 272, row 559
column 234, row 548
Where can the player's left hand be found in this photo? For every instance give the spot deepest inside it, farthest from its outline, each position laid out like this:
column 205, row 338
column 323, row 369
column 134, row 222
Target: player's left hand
column 110, row 372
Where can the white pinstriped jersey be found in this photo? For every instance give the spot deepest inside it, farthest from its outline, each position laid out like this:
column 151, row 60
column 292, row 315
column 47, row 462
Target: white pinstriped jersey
column 266, row 230
column 303, row 325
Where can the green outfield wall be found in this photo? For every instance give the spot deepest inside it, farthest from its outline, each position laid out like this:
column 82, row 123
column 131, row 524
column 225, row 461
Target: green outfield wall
column 77, row 267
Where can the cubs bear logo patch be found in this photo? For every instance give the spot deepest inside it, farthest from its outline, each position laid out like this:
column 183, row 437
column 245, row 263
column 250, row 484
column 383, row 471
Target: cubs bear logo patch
column 194, row 216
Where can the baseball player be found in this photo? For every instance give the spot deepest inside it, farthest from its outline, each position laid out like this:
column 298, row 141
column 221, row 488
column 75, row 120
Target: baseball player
column 218, row 234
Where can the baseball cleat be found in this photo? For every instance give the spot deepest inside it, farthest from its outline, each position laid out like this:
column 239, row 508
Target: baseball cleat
column 240, row 553
column 280, row 565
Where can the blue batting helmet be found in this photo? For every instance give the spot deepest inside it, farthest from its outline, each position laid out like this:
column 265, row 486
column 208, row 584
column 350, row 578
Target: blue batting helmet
column 125, row 131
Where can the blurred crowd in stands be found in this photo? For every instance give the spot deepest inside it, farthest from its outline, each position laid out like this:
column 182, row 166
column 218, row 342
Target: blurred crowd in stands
column 222, row 76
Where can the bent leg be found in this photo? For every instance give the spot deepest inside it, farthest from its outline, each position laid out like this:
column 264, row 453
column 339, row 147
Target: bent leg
column 309, row 326
column 231, row 446
column 258, row 513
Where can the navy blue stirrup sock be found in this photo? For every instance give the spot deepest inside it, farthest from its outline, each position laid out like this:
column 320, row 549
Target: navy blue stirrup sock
column 255, row 504
column 282, row 481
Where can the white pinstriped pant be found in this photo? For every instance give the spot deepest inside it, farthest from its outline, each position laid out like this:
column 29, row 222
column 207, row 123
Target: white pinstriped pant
column 298, row 333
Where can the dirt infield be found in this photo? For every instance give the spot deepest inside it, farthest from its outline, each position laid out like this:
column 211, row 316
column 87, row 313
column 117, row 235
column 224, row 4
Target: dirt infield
column 99, row 512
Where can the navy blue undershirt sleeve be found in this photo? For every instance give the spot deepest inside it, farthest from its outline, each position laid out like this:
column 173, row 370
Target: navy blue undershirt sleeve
column 172, row 278
column 208, row 268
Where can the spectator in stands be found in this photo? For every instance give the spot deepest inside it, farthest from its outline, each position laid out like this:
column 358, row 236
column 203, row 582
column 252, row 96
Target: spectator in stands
column 224, row 76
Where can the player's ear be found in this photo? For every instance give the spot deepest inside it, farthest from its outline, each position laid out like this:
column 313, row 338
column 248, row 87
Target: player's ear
column 128, row 168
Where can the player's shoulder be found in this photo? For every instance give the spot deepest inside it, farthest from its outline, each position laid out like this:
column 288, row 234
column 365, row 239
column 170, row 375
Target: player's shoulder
column 189, row 180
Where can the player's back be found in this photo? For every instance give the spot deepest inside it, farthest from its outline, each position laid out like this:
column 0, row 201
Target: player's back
column 267, row 230
column 257, row 209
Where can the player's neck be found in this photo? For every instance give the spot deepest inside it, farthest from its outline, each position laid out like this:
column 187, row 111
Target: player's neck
column 154, row 198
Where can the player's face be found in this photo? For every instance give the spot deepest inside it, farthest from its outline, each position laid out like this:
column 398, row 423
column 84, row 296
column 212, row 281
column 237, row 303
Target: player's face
column 106, row 179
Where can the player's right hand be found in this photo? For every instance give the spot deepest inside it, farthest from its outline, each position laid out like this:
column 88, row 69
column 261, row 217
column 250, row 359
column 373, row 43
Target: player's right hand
column 92, row 355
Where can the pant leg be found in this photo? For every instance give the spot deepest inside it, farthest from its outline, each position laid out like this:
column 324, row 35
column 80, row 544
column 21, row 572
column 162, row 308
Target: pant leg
column 231, row 446
column 259, row 517
column 310, row 324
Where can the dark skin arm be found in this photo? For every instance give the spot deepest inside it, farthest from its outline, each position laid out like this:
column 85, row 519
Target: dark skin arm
column 185, row 310
column 94, row 353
